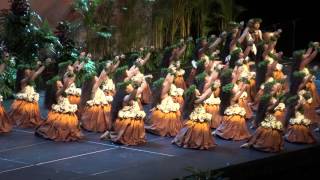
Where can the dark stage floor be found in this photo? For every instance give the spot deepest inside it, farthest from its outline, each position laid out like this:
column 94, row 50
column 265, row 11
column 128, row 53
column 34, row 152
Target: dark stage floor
column 25, row 156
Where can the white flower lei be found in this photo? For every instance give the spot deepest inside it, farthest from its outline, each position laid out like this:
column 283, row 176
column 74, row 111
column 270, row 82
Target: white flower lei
column 28, row 94
column 73, row 90
column 108, row 85
column 300, row 120
column 168, row 105
column 235, row 110
column 301, row 94
column 100, row 99
column 199, row 114
column 174, row 91
column 131, row 112
column 64, row 106
column 212, row 100
column 244, row 95
column 1, row 98
column 280, row 107
column 271, row 122
column 180, row 72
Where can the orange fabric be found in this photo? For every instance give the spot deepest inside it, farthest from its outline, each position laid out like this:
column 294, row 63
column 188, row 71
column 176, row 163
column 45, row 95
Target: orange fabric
column 310, row 113
column 5, row 125
column 244, row 104
column 214, row 111
column 60, row 127
column 278, row 75
column 165, row 124
column 180, row 83
column 25, row 114
column 96, row 118
column 129, row 132
column 311, row 86
column 180, row 100
column 300, row 134
column 280, row 116
column 74, row 99
column 252, row 93
column 233, row 128
column 195, row 135
column 267, row 139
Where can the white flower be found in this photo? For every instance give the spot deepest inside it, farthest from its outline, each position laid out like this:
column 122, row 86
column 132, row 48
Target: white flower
column 28, row 94
column 306, row 71
column 199, row 114
column 279, row 67
column 212, row 100
column 180, row 72
column 168, row 105
column 235, row 110
column 1, row 98
column 132, row 111
column 280, row 107
column 64, row 106
column 244, row 95
column 271, row 122
column 300, row 120
column 108, row 85
column 100, row 99
column 174, row 91
column 73, row 90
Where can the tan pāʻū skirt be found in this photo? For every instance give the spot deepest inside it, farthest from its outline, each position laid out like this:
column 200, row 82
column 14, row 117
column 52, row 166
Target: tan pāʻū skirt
column 300, row 134
column 195, row 135
column 96, row 118
column 267, row 139
column 129, row 132
column 25, row 114
column 165, row 124
column 233, row 128
column 60, row 127
column 5, row 123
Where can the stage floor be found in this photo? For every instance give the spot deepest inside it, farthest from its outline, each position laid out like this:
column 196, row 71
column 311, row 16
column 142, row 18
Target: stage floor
column 25, row 156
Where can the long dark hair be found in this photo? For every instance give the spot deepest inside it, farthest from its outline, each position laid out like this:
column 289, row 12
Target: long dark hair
column 86, row 90
column 190, row 97
column 156, row 91
column 226, row 86
column 51, row 92
column 262, row 108
column 261, row 72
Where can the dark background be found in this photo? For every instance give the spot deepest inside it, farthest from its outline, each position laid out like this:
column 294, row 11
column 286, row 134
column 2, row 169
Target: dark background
column 299, row 21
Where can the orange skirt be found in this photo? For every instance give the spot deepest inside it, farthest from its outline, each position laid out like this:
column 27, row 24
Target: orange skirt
column 74, row 99
column 129, row 132
column 310, row 113
column 315, row 95
column 216, row 117
column 5, row 124
column 300, row 134
column 165, row 124
column 267, row 139
column 280, row 116
column 195, row 135
column 180, row 100
column 25, row 114
column 180, row 83
column 96, row 118
column 60, row 127
column 244, row 104
column 252, row 91
column 233, row 128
